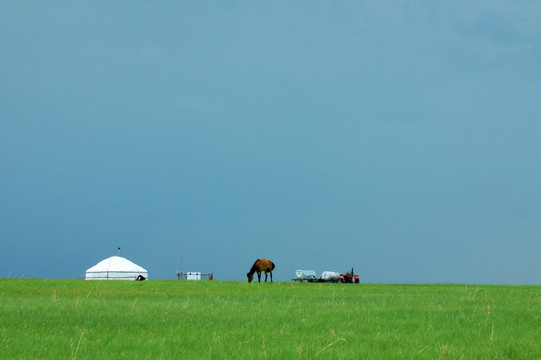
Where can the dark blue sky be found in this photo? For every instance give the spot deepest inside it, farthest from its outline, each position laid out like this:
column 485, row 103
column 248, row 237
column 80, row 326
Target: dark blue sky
column 398, row 138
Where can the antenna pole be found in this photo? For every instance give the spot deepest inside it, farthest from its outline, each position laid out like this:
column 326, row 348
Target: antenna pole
column 179, row 271
column 118, row 251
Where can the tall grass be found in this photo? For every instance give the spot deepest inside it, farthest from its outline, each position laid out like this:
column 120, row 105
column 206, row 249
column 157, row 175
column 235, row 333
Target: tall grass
column 75, row 319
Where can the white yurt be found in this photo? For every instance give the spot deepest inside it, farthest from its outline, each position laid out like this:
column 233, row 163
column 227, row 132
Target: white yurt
column 115, row 268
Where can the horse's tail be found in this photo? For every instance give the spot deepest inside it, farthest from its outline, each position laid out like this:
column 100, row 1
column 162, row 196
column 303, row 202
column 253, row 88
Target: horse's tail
column 273, row 266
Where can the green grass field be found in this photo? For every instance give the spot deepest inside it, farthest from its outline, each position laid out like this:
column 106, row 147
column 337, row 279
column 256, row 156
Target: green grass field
column 77, row 319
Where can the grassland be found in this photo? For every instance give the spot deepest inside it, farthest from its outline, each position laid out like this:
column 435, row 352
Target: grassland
column 77, row 319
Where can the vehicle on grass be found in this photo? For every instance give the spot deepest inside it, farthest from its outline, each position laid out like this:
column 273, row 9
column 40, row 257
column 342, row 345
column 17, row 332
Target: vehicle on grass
column 326, row 276
column 305, row 275
column 349, row 277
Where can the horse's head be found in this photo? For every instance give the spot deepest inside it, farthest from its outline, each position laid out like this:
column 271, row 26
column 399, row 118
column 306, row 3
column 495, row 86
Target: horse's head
column 250, row 277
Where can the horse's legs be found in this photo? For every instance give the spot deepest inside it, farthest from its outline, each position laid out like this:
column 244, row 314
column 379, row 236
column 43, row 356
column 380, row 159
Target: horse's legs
column 271, row 275
column 259, row 276
column 265, row 276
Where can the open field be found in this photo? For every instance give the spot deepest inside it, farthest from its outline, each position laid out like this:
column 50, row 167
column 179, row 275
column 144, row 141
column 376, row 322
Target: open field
column 77, row 319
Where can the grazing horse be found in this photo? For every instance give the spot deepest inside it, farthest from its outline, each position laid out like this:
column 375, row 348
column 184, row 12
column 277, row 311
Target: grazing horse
column 261, row 265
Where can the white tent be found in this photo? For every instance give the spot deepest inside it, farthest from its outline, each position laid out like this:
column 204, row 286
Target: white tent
column 115, row 268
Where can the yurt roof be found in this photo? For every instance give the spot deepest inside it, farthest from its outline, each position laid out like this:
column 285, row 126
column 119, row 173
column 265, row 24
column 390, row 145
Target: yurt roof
column 115, row 268
column 117, row 264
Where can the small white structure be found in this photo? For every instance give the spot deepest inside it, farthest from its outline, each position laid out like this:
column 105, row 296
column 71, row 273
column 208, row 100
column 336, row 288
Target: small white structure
column 115, row 268
column 193, row 276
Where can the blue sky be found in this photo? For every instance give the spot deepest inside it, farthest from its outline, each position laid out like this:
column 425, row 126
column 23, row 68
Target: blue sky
column 400, row 138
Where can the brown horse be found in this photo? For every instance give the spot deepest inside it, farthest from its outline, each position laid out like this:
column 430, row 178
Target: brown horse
column 261, row 265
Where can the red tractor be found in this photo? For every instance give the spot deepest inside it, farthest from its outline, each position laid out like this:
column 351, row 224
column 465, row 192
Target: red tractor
column 349, row 277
